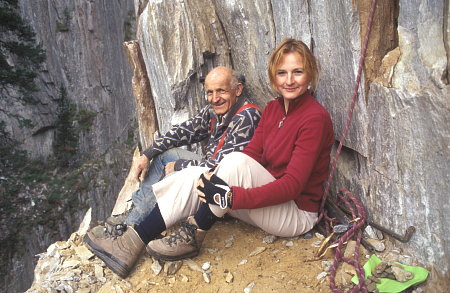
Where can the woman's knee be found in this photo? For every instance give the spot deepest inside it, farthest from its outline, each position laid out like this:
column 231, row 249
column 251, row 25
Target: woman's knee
column 233, row 160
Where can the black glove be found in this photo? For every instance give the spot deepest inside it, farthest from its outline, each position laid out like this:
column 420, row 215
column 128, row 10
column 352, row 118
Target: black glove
column 216, row 191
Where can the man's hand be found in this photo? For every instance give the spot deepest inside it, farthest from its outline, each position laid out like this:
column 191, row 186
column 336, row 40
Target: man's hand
column 141, row 169
column 170, row 167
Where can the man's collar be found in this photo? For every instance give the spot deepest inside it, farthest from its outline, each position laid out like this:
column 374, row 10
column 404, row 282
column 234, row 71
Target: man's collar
column 225, row 119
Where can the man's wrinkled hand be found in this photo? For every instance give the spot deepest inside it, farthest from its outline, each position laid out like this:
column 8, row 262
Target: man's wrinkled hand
column 170, row 167
column 141, row 169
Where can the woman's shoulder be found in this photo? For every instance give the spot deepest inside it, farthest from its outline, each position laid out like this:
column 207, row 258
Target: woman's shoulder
column 272, row 103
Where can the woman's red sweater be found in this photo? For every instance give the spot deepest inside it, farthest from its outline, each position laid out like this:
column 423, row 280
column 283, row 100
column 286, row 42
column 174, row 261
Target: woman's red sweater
column 295, row 148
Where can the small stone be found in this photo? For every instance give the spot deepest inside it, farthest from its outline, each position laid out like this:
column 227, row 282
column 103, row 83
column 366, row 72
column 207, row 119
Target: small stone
column 172, row 280
column 377, row 244
column 289, row 244
column 71, row 263
column 402, row 275
column 319, row 236
column 184, row 278
column 229, row 278
column 308, row 235
column 64, row 288
column 374, row 279
column 257, row 251
column 229, row 241
column 269, row 239
column 66, row 252
column 206, row 277
column 370, row 232
column 317, row 243
column 249, row 287
column 372, row 287
column 98, row 271
column 52, row 250
column 83, row 252
column 156, row 267
column 193, row 265
column 206, row 266
column 321, row 275
column 327, row 265
column 242, row 262
column 170, row 268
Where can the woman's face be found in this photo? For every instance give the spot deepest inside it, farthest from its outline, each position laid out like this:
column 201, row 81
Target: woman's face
column 291, row 81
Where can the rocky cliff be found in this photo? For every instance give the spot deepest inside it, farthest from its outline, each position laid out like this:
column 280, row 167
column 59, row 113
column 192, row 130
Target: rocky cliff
column 82, row 41
column 396, row 158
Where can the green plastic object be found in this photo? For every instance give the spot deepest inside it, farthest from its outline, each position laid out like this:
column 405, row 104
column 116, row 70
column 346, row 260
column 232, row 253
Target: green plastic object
column 393, row 286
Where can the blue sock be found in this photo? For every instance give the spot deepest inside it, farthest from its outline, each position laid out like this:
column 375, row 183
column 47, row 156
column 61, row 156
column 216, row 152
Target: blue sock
column 151, row 226
column 205, row 217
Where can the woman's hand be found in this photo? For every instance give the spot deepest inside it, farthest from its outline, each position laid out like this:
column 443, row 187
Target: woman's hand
column 211, row 189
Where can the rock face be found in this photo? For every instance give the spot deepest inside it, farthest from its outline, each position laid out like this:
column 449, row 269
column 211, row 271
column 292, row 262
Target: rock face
column 396, row 158
column 82, row 41
column 83, row 44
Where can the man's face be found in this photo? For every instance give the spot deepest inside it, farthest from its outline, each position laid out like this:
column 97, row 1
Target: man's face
column 219, row 92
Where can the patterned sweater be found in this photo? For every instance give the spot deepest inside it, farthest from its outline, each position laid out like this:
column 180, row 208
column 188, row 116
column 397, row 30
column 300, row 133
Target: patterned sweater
column 207, row 124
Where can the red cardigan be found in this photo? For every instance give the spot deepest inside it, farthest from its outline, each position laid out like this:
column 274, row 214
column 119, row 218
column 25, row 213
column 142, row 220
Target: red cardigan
column 297, row 154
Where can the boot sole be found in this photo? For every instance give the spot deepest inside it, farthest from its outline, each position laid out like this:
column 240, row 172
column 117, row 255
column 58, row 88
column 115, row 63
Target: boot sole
column 170, row 257
column 111, row 262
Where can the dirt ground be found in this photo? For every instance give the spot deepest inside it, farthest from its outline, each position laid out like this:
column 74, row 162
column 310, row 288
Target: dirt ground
column 279, row 268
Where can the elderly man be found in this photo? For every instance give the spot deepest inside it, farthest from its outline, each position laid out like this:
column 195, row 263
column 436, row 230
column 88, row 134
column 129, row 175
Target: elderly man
column 228, row 122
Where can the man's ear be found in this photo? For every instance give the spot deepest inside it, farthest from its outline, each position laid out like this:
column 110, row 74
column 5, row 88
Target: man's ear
column 239, row 89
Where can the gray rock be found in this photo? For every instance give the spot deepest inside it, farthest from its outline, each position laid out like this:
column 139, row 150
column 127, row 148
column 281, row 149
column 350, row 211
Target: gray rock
column 170, row 268
column 156, row 267
column 269, row 239
column 249, row 287
column 257, row 251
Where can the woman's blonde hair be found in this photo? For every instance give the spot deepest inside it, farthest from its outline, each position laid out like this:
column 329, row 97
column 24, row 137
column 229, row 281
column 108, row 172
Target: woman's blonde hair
column 311, row 67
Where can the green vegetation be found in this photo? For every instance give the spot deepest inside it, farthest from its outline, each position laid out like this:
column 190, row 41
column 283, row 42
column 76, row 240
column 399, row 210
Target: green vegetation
column 66, row 137
column 85, row 119
column 128, row 27
column 20, row 56
column 65, row 24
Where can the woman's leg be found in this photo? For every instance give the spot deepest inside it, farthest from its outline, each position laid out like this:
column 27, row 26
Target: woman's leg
column 285, row 219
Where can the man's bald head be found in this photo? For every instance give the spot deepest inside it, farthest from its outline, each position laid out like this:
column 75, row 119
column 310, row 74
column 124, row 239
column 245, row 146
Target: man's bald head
column 222, row 88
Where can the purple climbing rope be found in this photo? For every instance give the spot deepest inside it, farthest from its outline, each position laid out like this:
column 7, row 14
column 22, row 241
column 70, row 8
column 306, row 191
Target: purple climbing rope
column 347, row 197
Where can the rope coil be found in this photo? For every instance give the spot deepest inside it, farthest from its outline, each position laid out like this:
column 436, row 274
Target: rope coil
column 346, row 196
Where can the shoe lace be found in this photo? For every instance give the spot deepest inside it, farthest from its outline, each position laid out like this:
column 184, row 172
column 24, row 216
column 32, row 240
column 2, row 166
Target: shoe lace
column 185, row 234
column 114, row 231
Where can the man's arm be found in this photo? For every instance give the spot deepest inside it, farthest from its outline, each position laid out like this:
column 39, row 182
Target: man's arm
column 239, row 133
column 193, row 130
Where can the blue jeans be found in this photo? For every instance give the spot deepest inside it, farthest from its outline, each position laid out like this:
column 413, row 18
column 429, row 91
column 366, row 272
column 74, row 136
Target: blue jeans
column 143, row 199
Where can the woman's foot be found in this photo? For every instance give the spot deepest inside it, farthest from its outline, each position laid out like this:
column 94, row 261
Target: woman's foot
column 183, row 243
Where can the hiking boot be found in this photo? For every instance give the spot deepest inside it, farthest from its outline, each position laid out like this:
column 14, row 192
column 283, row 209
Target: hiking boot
column 120, row 253
column 113, row 227
column 183, row 243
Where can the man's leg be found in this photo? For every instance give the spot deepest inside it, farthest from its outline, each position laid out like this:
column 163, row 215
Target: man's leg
column 143, row 199
column 175, row 202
